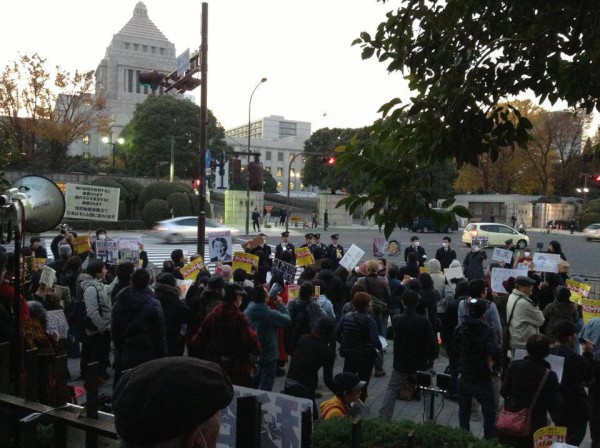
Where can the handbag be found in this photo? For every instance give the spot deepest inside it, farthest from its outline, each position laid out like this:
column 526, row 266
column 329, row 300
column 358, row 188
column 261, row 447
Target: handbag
column 518, row 424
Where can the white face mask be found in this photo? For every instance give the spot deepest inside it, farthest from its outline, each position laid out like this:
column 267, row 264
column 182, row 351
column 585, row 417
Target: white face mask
column 476, row 249
column 416, row 244
column 444, row 244
column 527, row 254
column 102, row 236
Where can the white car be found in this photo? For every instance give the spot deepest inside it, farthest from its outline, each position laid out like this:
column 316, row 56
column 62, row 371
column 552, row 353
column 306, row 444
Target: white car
column 185, row 228
column 496, row 233
column 592, row 232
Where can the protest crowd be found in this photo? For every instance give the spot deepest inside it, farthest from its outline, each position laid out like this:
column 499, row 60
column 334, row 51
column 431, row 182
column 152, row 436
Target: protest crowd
column 516, row 335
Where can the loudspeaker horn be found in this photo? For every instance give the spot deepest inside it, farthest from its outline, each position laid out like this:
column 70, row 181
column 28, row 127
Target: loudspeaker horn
column 43, row 204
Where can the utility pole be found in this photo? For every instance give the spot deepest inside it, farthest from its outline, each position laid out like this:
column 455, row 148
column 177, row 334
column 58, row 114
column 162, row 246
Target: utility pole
column 203, row 128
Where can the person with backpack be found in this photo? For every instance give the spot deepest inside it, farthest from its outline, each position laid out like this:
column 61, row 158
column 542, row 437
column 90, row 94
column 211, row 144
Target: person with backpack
column 305, row 314
column 138, row 325
column 96, row 321
column 359, row 340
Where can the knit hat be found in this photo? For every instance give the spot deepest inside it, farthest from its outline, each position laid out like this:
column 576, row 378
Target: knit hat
column 562, row 294
column 165, row 398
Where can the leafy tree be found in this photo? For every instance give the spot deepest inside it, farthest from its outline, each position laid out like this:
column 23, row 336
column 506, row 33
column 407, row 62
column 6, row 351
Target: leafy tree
column 462, row 60
column 323, row 143
column 269, row 182
column 148, row 135
column 44, row 113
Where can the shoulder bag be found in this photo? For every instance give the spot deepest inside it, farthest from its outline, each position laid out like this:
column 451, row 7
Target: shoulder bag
column 518, row 424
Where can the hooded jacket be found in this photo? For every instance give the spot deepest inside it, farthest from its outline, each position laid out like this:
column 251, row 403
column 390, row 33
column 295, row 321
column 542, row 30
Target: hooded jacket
column 526, row 320
column 97, row 305
column 265, row 322
column 138, row 328
column 177, row 314
column 435, row 270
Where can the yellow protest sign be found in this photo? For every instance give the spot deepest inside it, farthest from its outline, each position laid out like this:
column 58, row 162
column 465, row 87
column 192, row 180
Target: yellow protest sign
column 579, row 291
column 304, row 256
column 244, row 261
column 546, row 436
column 293, row 292
column 190, row 270
column 81, row 244
column 590, row 309
column 38, row 263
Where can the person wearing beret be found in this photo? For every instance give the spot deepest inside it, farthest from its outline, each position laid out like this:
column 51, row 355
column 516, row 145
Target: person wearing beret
column 284, row 246
column 226, row 338
column 523, row 316
column 335, row 251
column 171, row 402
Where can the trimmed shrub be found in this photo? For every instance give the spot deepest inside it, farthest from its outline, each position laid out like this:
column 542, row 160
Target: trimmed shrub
column 382, row 433
column 161, row 190
column 156, row 210
column 181, row 203
column 590, row 218
column 593, row 206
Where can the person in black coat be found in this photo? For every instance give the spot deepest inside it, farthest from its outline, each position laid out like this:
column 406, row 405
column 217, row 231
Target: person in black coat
column 521, row 381
column 284, row 246
column 335, row 251
column 411, row 268
column 333, row 286
column 176, row 312
column 415, row 347
column 577, row 372
column 138, row 325
column 445, row 254
column 417, row 249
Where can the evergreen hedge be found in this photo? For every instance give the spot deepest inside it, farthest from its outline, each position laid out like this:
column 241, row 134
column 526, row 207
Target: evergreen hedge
column 156, row 210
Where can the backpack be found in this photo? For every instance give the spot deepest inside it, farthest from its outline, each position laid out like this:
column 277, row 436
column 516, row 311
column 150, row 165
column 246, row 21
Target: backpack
column 300, row 325
column 79, row 315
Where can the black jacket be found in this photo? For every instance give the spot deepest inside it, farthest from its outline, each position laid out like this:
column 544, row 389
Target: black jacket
column 176, row 312
column 310, row 355
column 358, row 336
column 333, row 289
column 521, row 380
column 415, row 344
column 419, row 251
column 475, row 346
column 445, row 256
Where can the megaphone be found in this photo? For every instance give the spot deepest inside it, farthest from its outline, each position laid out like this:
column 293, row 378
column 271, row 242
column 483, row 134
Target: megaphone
column 34, row 204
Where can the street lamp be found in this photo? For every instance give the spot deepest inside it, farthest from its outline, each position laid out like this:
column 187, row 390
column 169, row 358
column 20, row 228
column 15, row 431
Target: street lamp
column 248, row 167
column 287, row 202
column 108, row 141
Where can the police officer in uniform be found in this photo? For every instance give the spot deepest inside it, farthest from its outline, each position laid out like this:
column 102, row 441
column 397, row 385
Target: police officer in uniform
column 309, row 241
column 335, row 251
column 284, row 246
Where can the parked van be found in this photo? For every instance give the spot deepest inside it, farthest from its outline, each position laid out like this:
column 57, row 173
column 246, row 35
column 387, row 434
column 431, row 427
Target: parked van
column 426, row 224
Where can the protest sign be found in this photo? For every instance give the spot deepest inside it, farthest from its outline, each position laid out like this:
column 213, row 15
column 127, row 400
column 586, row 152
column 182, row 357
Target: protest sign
column 130, row 243
column 184, row 286
column 190, row 270
column 502, row 255
column 286, row 269
column 499, row 275
column 132, row 256
column 379, row 246
column 27, row 269
column 543, row 262
column 62, row 293
column 293, row 292
column 35, row 337
column 451, row 273
column 557, row 363
column 57, row 326
column 38, row 263
column 579, row 291
column 48, row 276
column 107, row 250
column 81, row 244
column 393, row 249
column 244, row 261
column 590, row 309
column 220, row 246
column 549, row 435
column 92, row 202
column 479, row 241
column 304, row 257
column 352, row 257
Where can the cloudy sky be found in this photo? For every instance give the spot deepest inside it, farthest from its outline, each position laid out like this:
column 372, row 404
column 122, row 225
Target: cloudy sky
column 302, row 47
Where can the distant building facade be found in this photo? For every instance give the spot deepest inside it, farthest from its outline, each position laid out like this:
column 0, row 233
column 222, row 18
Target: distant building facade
column 138, row 46
column 277, row 140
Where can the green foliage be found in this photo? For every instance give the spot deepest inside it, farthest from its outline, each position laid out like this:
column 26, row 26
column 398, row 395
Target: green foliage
column 590, row 218
column 181, row 203
column 549, row 200
column 593, row 206
column 156, row 210
column 269, row 182
column 383, row 433
column 161, row 190
column 323, row 143
column 148, row 135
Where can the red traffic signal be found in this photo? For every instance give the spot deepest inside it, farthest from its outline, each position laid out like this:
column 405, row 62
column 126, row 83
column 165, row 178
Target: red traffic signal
column 151, row 79
column 196, row 184
column 328, row 160
column 596, row 177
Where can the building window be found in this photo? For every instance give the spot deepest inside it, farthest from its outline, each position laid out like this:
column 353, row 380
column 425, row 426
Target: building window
column 291, row 186
column 87, row 155
column 279, row 186
column 86, row 139
column 280, row 172
column 126, row 44
column 302, row 187
column 136, row 47
column 138, row 86
column 162, row 51
column 153, row 49
column 280, row 157
column 292, row 172
column 287, row 129
column 145, row 48
column 129, row 82
column 268, row 155
column 267, row 169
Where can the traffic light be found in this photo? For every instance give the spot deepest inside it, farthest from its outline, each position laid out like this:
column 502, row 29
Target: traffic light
column 595, row 178
column 328, row 160
column 151, row 79
column 196, row 184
